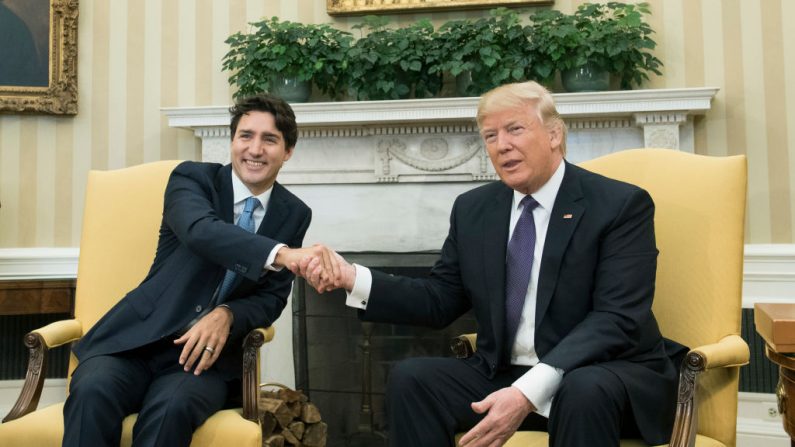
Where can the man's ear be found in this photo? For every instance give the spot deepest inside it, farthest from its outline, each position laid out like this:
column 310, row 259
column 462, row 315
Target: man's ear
column 288, row 153
column 555, row 135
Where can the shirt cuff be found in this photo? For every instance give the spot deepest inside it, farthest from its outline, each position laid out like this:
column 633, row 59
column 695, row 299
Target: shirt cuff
column 360, row 294
column 272, row 258
column 539, row 386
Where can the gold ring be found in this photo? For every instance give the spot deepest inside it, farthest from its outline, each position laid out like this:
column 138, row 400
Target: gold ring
column 209, row 349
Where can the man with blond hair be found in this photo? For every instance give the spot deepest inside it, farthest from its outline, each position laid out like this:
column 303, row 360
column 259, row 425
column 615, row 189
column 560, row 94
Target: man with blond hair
column 559, row 266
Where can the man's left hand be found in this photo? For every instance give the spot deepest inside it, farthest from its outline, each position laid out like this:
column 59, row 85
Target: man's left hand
column 506, row 409
column 205, row 340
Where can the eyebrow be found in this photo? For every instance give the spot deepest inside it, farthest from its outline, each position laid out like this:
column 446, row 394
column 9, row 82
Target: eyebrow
column 508, row 124
column 266, row 134
column 271, row 134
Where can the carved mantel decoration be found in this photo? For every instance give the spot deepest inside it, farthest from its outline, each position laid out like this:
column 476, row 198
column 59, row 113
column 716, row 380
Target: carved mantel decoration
column 58, row 94
column 436, row 140
column 354, row 7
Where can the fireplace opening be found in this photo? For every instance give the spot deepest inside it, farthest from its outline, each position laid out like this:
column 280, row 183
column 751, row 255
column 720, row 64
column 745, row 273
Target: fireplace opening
column 342, row 364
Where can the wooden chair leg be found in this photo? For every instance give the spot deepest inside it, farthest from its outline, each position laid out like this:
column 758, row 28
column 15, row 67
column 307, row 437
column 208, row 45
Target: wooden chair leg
column 251, row 344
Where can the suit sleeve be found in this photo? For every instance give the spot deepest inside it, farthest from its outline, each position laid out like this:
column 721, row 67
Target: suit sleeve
column 262, row 307
column 189, row 213
column 622, row 293
column 434, row 302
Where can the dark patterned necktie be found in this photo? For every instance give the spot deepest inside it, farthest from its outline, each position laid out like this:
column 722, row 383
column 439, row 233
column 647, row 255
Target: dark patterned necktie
column 245, row 222
column 518, row 265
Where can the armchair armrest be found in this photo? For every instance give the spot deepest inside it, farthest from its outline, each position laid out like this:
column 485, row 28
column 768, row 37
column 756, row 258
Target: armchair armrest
column 38, row 342
column 60, row 333
column 730, row 352
column 251, row 344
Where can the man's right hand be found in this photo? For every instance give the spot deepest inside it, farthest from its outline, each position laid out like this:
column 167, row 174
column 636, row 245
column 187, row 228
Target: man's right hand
column 329, row 276
column 311, row 269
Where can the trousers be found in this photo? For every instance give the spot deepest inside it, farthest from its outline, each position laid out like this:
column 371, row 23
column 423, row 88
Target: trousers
column 428, row 401
column 149, row 380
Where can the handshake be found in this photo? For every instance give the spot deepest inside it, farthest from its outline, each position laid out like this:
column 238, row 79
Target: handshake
column 323, row 268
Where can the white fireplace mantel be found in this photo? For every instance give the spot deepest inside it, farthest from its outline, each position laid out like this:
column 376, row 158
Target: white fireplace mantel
column 422, row 140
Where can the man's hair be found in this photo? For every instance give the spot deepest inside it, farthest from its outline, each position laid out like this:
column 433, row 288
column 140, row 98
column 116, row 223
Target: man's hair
column 282, row 113
column 523, row 94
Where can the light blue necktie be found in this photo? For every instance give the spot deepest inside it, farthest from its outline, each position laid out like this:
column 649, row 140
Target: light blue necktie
column 245, row 222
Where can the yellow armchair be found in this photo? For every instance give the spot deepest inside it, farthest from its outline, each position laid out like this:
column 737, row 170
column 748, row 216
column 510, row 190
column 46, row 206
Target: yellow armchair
column 699, row 224
column 120, row 226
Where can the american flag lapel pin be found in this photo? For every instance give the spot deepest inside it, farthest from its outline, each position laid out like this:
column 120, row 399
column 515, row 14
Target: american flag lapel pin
column 568, row 216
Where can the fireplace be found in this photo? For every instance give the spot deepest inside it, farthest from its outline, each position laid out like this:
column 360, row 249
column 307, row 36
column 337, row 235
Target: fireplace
column 342, row 364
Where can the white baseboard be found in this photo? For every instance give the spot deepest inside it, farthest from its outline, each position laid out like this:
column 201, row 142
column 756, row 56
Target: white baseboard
column 38, row 263
column 758, row 421
column 768, row 273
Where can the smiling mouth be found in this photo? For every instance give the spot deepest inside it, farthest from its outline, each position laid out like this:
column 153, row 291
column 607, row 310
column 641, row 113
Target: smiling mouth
column 254, row 164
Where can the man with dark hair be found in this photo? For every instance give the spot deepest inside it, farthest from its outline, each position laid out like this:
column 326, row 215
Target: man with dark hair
column 171, row 349
column 283, row 116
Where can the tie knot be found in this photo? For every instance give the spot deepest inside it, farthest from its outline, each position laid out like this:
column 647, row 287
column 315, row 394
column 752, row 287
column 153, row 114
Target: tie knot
column 251, row 204
column 529, row 203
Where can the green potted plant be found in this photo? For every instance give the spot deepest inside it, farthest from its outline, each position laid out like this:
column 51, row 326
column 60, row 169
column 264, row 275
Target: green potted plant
column 485, row 53
column 594, row 42
column 277, row 55
column 387, row 63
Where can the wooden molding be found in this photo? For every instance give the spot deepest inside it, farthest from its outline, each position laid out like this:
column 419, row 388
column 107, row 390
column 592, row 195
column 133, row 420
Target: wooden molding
column 22, row 297
column 359, row 7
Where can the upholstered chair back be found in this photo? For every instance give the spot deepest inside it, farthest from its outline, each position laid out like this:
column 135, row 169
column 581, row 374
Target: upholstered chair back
column 699, row 224
column 121, row 218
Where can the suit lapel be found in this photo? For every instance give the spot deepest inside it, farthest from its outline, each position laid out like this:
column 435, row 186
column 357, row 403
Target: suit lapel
column 496, row 219
column 276, row 213
column 275, row 216
column 566, row 215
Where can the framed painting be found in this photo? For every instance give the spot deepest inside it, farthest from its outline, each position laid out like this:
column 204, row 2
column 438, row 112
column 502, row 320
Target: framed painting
column 357, row 7
column 38, row 56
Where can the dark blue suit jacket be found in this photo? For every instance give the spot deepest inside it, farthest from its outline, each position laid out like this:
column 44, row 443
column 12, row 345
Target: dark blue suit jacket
column 595, row 288
column 198, row 243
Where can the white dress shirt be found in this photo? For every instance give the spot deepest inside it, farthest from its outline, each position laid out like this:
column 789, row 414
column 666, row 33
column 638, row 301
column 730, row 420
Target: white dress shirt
column 240, row 194
column 541, row 382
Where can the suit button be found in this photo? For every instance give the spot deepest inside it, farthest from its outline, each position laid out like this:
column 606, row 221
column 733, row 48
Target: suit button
column 198, row 309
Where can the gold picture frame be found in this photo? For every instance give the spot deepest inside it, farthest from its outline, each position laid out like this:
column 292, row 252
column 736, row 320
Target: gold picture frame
column 359, row 7
column 39, row 70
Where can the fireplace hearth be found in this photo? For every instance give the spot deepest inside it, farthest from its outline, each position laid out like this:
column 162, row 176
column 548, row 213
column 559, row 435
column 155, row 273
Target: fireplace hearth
column 342, row 364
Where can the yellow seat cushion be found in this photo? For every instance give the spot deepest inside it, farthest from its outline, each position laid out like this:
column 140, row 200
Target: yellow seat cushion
column 44, row 427
column 540, row 439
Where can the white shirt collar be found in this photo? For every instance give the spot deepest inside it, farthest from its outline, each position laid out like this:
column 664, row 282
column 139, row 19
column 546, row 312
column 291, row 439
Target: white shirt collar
column 545, row 196
column 241, row 192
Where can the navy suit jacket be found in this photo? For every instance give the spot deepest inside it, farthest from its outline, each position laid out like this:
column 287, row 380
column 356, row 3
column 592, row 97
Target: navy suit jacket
column 198, row 243
column 595, row 288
